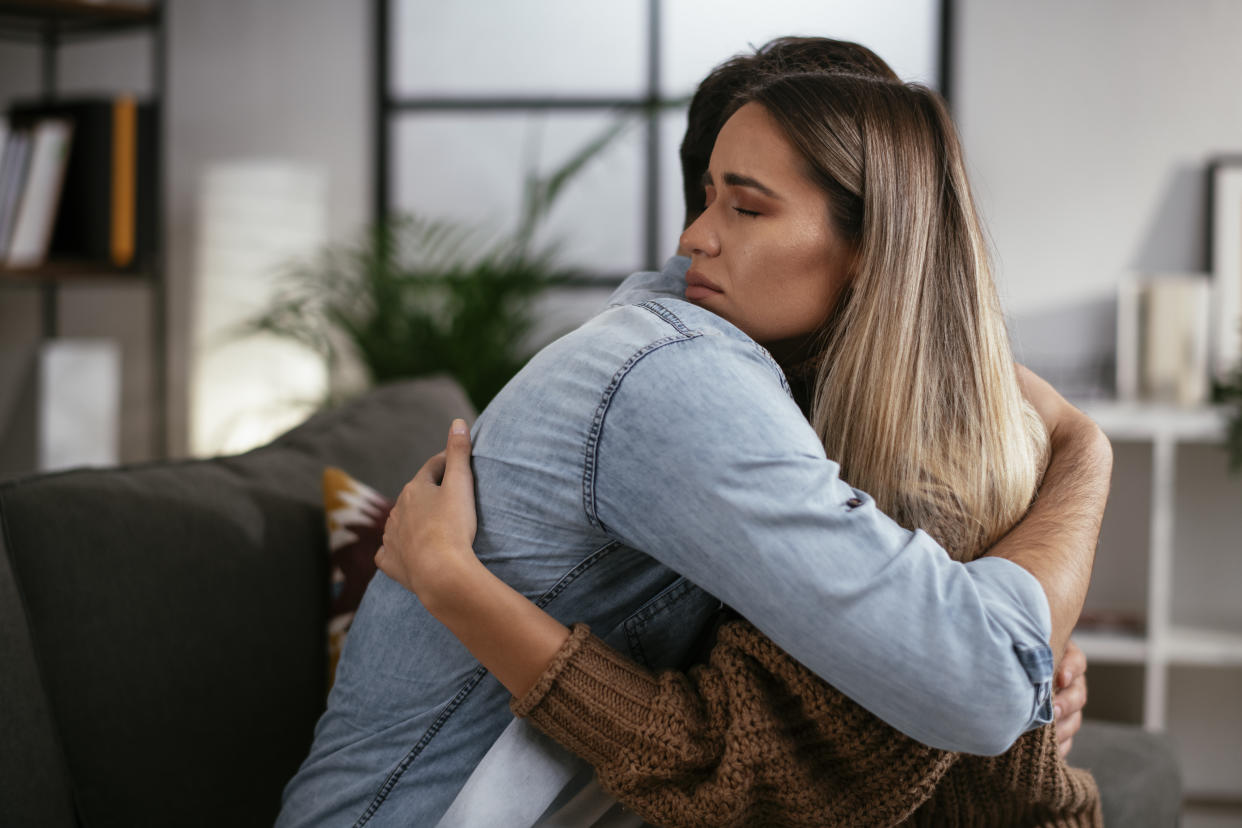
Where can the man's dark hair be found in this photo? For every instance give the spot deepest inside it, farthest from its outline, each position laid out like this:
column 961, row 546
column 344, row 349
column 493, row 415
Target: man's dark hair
column 711, row 105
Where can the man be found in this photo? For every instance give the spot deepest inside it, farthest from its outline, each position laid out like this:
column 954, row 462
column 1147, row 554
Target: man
column 565, row 504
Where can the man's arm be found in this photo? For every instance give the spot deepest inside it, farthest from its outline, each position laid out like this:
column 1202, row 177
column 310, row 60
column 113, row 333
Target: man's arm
column 1056, row 541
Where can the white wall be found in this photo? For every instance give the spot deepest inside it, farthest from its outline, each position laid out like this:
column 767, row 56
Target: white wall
column 283, row 80
column 1088, row 127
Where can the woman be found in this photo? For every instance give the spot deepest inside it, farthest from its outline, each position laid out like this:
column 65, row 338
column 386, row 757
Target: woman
column 840, row 233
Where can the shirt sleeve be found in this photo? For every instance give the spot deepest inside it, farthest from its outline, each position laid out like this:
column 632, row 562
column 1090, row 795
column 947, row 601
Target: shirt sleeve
column 704, row 462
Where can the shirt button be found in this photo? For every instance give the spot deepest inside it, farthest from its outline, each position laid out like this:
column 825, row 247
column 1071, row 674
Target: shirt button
column 853, row 503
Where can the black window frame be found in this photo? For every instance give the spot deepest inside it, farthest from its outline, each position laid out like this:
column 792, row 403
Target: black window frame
column 650, row 104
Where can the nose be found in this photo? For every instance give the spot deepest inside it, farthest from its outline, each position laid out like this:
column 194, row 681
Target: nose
column 701, row 237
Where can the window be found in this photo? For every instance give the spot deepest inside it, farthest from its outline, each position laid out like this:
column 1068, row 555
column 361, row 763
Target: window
column 473, row 95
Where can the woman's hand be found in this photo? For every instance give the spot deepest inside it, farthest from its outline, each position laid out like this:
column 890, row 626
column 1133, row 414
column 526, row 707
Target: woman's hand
column 430, row 532
column 428, row 549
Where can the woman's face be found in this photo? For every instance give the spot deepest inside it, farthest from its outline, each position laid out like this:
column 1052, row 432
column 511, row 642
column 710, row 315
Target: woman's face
column 764, row 254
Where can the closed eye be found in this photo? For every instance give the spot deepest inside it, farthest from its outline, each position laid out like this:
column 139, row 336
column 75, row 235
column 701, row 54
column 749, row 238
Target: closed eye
column 747, row 213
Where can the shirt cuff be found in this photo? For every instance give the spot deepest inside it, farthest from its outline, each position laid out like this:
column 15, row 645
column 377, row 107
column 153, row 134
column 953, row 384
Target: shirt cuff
column 1017, row 602
column 578, row 634
column 1039, row 667
column 591, row 699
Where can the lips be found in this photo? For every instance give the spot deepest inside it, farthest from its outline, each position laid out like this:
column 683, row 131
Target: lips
column 699, row 286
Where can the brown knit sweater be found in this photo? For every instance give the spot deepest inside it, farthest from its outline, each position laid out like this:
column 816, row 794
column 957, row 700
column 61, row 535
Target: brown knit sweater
column 753, row 738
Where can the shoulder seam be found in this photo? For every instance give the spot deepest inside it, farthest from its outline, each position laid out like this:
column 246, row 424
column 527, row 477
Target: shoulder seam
column 667, row 315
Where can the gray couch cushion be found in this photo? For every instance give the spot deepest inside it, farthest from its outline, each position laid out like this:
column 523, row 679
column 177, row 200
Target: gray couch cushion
column 1138, row 776
column 177, row 611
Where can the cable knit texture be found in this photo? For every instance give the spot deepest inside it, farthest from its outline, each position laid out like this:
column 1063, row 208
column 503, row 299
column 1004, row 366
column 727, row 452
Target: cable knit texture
column 753, row 738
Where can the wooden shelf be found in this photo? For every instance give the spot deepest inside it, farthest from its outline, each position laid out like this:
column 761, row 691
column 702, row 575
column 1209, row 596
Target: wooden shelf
column 1182, row 646
column 29, row 19
column 1111, row 647
column 70, row 273
column 1198, row 646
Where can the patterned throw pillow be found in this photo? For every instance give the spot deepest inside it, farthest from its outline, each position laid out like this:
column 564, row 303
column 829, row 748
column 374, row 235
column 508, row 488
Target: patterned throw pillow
column 356, row 514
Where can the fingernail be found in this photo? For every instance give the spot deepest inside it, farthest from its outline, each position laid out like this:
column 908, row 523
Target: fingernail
column 458, row 427
column 1056, row 711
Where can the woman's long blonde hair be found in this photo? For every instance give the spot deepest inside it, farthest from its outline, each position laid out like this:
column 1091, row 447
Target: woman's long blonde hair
column 915, row 391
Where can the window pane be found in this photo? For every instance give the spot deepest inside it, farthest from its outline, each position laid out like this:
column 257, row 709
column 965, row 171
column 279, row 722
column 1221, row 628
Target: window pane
column 700, row 34
column 535, row 47
column 471, row 167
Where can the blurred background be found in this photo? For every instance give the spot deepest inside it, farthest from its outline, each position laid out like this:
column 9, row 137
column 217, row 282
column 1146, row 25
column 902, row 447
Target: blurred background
column 1098, row 136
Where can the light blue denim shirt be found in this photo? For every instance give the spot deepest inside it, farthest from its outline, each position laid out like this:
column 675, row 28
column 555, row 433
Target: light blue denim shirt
column 658, row 426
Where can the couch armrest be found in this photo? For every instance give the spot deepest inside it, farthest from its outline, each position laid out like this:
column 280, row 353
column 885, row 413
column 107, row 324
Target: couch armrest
column 34, row 787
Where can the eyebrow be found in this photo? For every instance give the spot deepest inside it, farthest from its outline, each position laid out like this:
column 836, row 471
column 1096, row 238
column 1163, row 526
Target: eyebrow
column 739, row 180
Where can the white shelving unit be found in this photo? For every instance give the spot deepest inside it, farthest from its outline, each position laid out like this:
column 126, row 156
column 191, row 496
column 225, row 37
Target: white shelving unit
column 1171, row 559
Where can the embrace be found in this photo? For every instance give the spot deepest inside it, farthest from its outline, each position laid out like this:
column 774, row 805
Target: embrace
column 801, row 459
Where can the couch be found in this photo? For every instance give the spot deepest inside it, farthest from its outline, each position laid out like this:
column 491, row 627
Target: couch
column 162, row 629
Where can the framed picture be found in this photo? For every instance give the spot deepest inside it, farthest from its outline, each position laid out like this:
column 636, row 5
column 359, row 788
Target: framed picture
column 1163, row 321
column 1225, row 248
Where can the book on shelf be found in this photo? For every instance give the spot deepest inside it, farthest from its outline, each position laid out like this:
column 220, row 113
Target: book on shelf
column 12, row 180
column 107, row 208
column 1162, row 339
column 35, row 210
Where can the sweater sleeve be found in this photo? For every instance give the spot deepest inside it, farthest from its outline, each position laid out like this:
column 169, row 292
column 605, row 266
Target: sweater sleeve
column 751, row 737
column 1027, row 785
column 594, row 701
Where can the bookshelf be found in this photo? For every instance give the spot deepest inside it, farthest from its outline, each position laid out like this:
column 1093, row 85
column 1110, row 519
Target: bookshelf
column 73, row 17
column 1167, row 570
column 51, row 26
